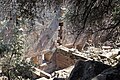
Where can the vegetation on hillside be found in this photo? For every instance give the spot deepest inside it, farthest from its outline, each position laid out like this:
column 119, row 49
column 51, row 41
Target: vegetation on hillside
column 98, row 17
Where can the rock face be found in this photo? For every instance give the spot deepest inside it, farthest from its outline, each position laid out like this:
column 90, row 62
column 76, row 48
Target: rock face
column 62, row 59
column 112, row 73
column 86, row 70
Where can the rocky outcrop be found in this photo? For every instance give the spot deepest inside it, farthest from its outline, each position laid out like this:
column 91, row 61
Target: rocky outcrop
column 86, row 70
column 112, row 73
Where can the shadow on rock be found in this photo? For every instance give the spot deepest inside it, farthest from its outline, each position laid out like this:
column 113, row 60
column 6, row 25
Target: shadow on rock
column 86, row 70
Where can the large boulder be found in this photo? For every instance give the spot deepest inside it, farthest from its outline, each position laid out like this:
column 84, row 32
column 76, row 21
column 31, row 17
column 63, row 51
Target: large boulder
column 112, row 73
column 86, row 70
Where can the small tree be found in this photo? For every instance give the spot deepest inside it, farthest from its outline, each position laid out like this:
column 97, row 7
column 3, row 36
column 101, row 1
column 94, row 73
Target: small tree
column 14, row 66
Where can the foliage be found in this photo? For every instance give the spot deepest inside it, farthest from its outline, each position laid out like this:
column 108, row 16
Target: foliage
column 12, row 61
column 96, row 16
column 101, row 17
column 27, row 9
